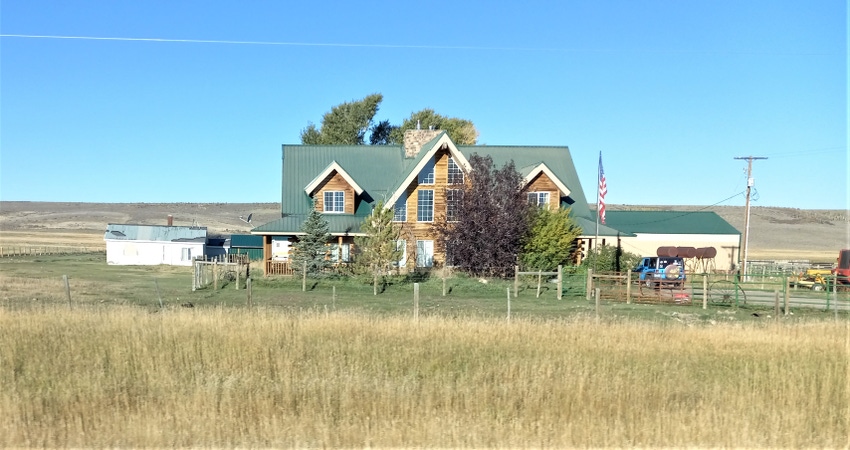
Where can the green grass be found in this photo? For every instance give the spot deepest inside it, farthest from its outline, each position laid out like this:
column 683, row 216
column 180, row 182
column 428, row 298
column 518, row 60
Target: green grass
column 37, row 282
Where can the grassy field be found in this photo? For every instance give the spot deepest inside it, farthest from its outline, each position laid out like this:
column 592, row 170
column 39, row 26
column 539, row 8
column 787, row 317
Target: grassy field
column 310, row 369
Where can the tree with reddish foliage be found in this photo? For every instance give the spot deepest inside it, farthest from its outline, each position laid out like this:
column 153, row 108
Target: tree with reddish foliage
column 492, row 219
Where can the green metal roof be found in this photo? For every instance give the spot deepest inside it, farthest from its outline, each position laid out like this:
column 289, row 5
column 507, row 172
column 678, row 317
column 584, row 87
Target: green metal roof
column 290, row 224
column 526, row 158
column 380, row 171
column 669, row 222
column 246, row 240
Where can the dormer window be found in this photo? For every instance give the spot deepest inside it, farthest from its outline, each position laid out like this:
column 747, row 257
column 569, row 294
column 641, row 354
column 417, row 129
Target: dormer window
column 334, row 201
column 539, row 199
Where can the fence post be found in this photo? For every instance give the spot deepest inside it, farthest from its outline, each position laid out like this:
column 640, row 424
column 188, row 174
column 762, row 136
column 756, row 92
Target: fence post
column 238, row 270
column 509, row 304
column 444, row 281
column 539, row 280
column 787, row 283
column 67, row 289
column 835, row 297
column 248, row 288
column 416, row 302
column 776, row 303
column 560, row 281
column 589, row 286
column 516, row 280
column 158, row 294
column 705, row 291
column 629, row 287
column 304, row 277
column 215, row 275
column 597, row 303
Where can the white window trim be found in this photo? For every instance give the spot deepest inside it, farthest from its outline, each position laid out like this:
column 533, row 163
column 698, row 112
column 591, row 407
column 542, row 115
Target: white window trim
column 419, row 205
column 537, row 195
column 325, row 201
column 427, row 260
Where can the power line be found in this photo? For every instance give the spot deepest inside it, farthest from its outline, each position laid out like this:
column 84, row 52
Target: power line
column 750, row 160
column 411, row 46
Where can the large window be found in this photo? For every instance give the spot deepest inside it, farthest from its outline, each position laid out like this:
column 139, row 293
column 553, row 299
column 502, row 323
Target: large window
column 453, row 197
column 425, row 206
column 427, row 174
column 400, row 209
column 539, row 199
column 455, row 174
column 424, row 253
column 334, row 201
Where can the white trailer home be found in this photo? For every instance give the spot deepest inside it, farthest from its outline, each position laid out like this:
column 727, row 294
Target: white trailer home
column 153, row 244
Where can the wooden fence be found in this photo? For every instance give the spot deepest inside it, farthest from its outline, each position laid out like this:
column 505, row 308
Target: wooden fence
column 218, row 273
column 41, row 250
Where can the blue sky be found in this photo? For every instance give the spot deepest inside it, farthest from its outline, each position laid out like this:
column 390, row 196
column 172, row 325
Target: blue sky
column 669, row 91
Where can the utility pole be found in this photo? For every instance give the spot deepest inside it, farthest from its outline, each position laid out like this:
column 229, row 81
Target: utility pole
column 747, row 219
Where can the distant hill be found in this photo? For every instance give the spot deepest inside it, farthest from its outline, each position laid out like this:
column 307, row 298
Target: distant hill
column 775, row 233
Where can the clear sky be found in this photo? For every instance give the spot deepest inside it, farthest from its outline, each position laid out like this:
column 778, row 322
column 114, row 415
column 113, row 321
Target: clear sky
column 190, row 101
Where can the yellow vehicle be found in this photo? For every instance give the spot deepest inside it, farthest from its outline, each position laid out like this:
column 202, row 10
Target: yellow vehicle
column 814, row 279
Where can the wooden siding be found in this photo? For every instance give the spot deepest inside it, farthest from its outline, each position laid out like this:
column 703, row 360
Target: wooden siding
column 334, row 182
column 542, row 183
column 413, row 230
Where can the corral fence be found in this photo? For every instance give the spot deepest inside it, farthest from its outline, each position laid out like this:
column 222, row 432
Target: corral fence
column 721, row 289
column 220, row 271
column 42, row 250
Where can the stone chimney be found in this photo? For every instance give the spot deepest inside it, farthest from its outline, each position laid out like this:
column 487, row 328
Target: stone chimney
column 415, row 139
column 170, row 220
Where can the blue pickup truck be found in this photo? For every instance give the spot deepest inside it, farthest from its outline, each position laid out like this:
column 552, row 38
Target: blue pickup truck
column 658, row 270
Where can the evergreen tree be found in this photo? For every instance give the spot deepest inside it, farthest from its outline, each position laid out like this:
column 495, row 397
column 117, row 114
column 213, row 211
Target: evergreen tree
column 377, row 249
column 312, row 246
column 550, row 241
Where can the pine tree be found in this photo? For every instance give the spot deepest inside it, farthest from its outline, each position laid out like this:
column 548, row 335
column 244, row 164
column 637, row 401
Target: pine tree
column 377, row 250
column 312, row 246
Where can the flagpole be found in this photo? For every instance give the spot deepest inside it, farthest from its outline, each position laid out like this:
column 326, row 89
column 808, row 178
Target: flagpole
column 596, row 238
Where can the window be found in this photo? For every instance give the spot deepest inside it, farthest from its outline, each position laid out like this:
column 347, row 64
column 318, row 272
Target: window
column 425, row 206
column 186, row 254
column 401, row 245
column 400, row 209
column 539, row 199
column 424, row 253
column 427, row 174
column 334, row 201
column 455, row 174
column 453, row 197
column 340, row 253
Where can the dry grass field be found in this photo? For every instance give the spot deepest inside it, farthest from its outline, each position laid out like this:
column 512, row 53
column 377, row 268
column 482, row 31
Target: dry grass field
column 114, row 370
column 122, row 377
column 775, row 233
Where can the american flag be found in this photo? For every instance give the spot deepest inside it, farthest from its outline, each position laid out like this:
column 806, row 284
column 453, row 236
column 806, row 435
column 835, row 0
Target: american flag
column 603, row 189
